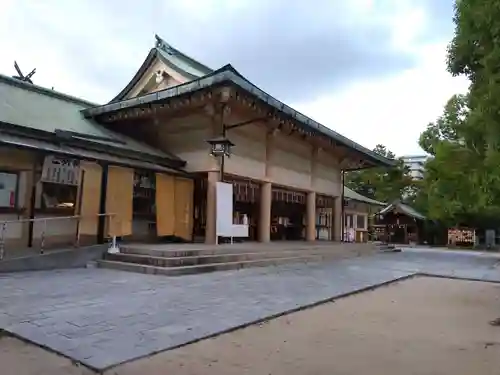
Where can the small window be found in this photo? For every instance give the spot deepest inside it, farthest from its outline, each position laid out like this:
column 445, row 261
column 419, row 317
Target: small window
column 360, row 221
column 8, row 189
column 57, row 196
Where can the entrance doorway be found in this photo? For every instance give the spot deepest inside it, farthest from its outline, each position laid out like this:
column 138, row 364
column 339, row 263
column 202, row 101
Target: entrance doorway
column 325, row 208
column 246, row 202
column 399, row 234
column 200, row 207
column 288, row 213
column 144, row 206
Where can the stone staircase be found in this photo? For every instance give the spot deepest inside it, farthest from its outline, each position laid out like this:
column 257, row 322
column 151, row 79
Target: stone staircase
column 184, row 259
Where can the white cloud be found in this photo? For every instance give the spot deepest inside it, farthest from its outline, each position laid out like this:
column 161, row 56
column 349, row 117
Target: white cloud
column 395, row 110
column 392, row 111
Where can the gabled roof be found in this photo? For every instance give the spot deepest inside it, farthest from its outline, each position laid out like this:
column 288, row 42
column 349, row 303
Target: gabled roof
column 39, row 112
column 171, row 57
column 181, row 61
column 403, row 208
column 351, row 194
column 228, row 75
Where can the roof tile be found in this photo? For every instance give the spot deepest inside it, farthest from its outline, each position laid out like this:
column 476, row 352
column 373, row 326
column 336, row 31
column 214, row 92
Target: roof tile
column 30, row 106
column 351, row 194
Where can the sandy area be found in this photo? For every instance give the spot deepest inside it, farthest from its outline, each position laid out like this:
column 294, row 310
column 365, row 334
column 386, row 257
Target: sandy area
column 419, row 326
column 19, row 358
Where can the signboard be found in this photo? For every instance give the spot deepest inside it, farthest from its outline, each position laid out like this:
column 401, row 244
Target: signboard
column 461, row 236
column 60, row 170
column 224, row 209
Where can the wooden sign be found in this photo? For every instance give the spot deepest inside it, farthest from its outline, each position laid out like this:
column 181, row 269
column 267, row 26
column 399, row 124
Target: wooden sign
column 60, row 170
column 461, row 236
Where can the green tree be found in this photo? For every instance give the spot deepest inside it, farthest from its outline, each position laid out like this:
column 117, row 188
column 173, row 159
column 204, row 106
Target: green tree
column 383, row 184
column 448, row 127
column 462, row 181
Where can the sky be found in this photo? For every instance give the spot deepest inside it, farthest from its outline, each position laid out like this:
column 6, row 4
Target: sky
column 372, row 70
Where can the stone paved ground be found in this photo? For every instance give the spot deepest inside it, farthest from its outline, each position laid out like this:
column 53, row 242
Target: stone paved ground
column 105, row 317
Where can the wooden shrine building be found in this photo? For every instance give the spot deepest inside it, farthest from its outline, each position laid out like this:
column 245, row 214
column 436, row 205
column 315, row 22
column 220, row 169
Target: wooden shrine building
column 400, row 223
column 143, row 158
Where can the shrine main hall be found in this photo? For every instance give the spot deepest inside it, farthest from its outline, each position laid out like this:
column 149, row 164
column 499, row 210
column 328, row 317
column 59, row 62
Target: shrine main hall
column 144, row 158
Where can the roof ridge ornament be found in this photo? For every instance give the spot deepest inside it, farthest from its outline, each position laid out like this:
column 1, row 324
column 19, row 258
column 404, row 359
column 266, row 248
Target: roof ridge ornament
column 21, row 76
column 161, row 44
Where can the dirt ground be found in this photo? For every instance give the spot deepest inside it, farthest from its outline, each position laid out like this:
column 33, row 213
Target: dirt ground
column 19, row 358
column 418, row 326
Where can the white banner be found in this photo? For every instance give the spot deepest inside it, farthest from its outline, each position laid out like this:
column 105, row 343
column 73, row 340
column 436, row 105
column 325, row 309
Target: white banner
column 60, row 170
column 224, row 209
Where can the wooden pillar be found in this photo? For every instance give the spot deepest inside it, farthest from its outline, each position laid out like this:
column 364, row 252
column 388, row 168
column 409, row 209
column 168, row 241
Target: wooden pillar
column 311, row 216
column 337, row 220
column 270, row 147
column 101, row 226
column 264, row 231
column 265, row 212
column 27, row 201
column 210, row 227
column 314, row 167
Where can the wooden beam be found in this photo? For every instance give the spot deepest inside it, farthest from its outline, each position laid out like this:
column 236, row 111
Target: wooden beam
column 172, row 107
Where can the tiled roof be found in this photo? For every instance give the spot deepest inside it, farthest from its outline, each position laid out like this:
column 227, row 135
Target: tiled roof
column 203, row 77
column 351, row 194
column 29, row 106
column 404, row 208
column 228, row 75
column 81, row 153
column 180, row 60
column 170, row 56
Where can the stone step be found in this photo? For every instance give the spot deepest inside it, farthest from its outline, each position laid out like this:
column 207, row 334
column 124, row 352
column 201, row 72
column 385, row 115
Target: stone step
column 201, row 268
column 178, row 261
column 191, row 250
column 184, row 251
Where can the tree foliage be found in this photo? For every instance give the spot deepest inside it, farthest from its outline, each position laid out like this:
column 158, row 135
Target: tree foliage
column 462, row 179
column 448, row 127
column 382, row 184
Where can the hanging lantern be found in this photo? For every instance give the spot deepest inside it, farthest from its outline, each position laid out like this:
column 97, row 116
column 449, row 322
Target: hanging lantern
column 220, row 146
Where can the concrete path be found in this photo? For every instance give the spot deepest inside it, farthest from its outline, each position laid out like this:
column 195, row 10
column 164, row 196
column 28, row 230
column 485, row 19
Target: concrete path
column 102, row 317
